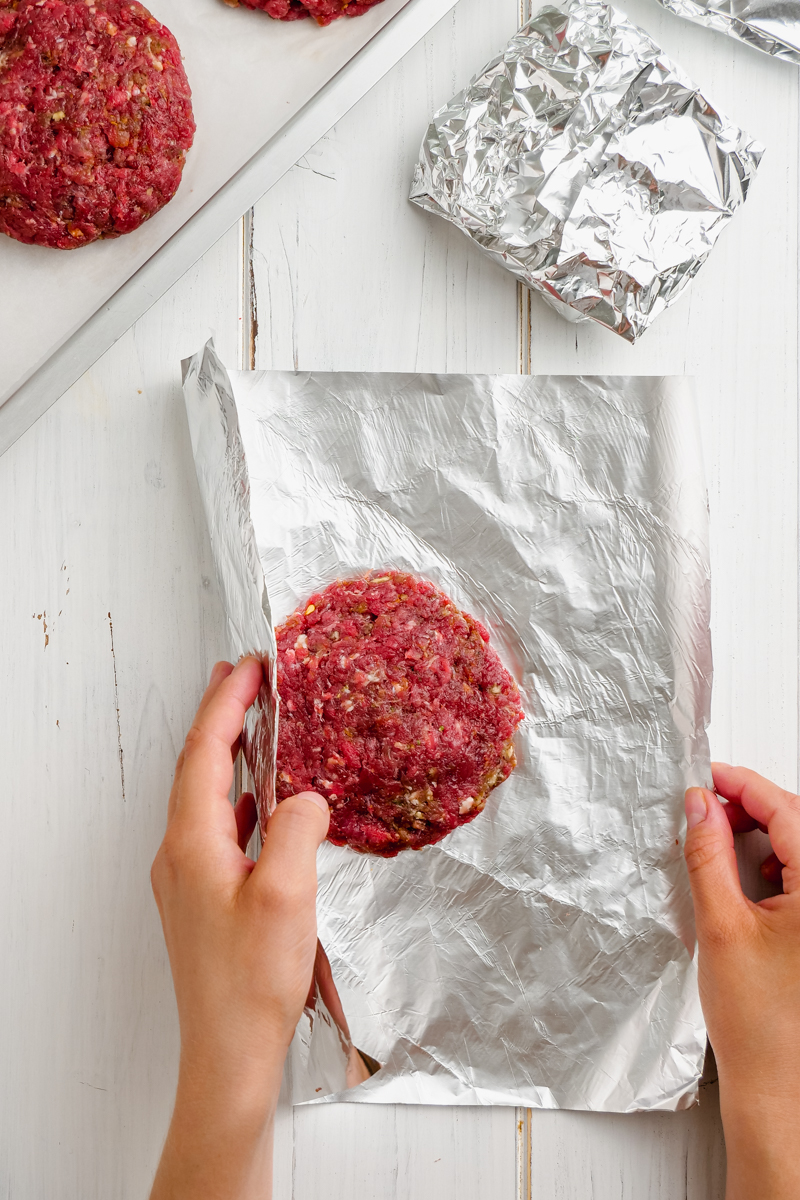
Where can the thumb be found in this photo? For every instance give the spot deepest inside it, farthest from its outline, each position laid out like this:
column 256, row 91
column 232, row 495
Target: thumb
column 719, row 903
column 287, row 864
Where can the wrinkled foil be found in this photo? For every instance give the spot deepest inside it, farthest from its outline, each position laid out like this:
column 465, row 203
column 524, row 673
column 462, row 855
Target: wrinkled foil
column 221, row 467
column 543, row 954
column 586, row 163
column 770, row 25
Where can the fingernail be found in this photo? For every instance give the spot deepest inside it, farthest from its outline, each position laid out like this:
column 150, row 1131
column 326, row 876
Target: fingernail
column 696, row 806
column 315, row 798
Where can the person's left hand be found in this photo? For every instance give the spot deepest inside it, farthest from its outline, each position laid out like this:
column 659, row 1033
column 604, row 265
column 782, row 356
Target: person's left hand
column 241, row 938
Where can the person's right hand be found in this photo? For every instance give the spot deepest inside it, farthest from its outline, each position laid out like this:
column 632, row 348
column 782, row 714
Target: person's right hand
column 749, row 968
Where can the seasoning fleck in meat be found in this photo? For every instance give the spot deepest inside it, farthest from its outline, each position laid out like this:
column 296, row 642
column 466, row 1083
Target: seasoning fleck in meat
column 322, row 11
column 95, row 119
column 395, row 708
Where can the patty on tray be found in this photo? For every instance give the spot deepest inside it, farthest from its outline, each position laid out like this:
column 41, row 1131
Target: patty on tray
column 323, row 11
column 395, row 708
column 95, row 119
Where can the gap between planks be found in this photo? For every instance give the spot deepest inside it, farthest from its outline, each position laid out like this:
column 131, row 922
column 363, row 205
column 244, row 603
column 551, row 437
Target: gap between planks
column 248, row 304
column 524, row 1115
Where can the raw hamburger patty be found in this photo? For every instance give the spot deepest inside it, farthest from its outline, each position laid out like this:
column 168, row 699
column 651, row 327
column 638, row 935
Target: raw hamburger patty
column 323, row 11
column 395, row 708
column 95, row 119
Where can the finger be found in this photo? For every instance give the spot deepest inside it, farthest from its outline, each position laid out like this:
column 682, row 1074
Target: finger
column 246, row 817
column 323, row 977
column 738, row 819
column 287, row 864
column 207, row 770
column 719, row 903
column 770, row 805
column 219, row 672
column 772, row 870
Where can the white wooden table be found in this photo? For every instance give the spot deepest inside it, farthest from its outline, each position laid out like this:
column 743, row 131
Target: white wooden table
column 110, row 621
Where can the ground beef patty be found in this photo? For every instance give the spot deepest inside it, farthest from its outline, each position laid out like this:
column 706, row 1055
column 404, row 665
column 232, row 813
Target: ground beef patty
column 95, row 119
column 323, row 11
column 395, row 708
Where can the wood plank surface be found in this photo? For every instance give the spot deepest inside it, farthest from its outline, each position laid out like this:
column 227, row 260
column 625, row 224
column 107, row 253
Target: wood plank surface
column 109, row 624
column 735, row 331
column 110, row 621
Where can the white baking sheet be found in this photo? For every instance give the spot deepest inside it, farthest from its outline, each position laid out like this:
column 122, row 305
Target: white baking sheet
column 249, row 76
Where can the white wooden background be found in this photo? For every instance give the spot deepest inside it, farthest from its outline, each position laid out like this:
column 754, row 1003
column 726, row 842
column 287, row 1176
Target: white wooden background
column 110, row 621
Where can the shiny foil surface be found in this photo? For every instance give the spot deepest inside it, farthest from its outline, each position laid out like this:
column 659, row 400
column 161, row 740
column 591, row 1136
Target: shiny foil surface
column 586, row 163
column 542, row 954
column 221, row 467
column 770, row 25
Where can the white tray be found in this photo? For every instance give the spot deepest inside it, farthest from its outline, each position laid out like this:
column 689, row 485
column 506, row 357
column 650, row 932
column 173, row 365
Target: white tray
column 264, row 93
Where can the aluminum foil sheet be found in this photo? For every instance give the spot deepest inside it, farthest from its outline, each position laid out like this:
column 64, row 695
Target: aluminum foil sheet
column 221, row 467
column 770, row 25
column 586, row 163
column 542, row 954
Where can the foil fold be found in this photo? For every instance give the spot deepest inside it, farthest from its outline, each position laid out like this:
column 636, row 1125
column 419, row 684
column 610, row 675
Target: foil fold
column 769, row 25
column 221, row 468
column 543, row 954
column 585, row 162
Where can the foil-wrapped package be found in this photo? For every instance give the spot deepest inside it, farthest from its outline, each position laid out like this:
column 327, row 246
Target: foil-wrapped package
column 586, row 163
column 770, row 25
column 542, row 954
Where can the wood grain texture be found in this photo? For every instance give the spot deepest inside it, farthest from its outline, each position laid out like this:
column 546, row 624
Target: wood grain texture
column 104, row 536
column 657, row 1156
column 348, row 274
column 404, row 1152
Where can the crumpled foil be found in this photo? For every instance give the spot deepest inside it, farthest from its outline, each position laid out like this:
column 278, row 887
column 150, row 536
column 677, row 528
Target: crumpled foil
column 219, row 460
column 543, row 954
column 770, row 25
column 586, row 163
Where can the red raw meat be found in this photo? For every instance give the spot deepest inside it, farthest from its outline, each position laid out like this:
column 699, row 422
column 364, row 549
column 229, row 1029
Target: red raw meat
column 395, row 708
column 323, row 11
column 95, row 119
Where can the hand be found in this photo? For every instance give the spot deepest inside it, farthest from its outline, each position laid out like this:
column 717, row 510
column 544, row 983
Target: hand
column 749, row 967
column 241, row 938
